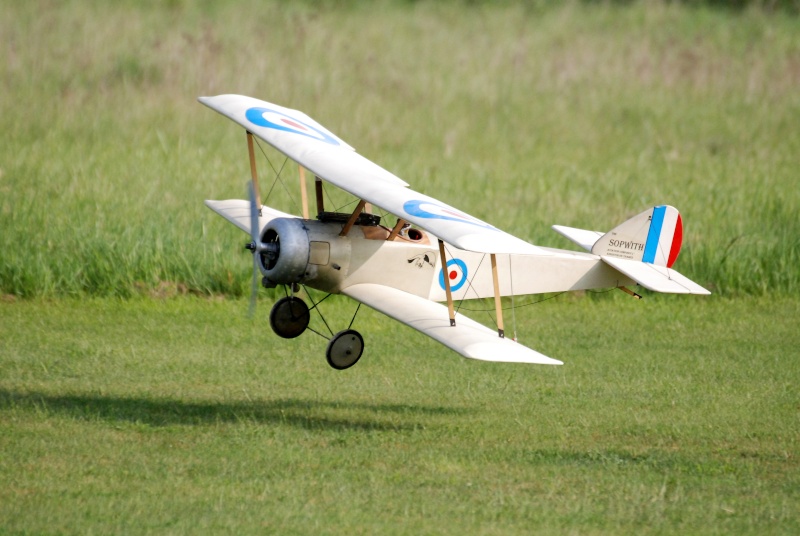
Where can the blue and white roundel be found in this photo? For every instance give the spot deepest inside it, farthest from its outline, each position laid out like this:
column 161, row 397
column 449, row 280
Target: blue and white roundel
column 264, row 117
column 435, row 211
column 456, row 273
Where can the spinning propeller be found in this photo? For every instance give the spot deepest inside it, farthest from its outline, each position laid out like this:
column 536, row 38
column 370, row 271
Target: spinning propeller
column 257, row 246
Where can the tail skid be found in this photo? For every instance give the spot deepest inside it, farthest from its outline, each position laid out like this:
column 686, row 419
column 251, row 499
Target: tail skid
column 643, row 248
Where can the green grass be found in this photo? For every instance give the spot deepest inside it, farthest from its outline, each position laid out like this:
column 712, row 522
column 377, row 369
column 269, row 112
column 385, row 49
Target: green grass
column 136, row 397
column 669, row 416
column 581, row 114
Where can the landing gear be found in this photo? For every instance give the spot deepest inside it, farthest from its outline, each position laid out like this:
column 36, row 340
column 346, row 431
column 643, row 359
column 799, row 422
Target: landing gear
column 289, row 317
column 344, row 349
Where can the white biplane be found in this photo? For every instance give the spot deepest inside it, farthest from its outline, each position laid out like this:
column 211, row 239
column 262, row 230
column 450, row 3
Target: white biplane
column 433, row 255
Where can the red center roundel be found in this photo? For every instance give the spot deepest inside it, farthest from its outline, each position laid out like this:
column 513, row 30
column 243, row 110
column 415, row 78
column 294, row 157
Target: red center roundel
column 456, row 273
column 291, row 123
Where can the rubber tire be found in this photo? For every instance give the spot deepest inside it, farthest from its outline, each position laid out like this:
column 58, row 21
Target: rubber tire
column 289, row 317
column 344, row 349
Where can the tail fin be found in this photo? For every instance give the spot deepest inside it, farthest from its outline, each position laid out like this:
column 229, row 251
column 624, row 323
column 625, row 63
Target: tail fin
column 654, row 237
column 644, row 248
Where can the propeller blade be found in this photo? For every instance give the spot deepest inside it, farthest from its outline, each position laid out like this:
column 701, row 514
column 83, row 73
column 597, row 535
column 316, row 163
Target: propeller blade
column 254, row 223
column 255, row 235
column 254, row 287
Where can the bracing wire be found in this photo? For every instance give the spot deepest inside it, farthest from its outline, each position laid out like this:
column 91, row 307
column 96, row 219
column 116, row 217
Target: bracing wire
column 278, row 177
column 469, row 287
column 330, row 199
column 512, row 307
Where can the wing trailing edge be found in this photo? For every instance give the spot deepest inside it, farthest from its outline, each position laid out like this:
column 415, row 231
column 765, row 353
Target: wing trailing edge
column 467, row 337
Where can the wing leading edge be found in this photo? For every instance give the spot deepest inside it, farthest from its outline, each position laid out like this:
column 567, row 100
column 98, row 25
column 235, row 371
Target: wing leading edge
column 308, row 143
column 467, row 337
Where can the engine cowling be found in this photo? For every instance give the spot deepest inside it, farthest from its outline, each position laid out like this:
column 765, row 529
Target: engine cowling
column 285, row 257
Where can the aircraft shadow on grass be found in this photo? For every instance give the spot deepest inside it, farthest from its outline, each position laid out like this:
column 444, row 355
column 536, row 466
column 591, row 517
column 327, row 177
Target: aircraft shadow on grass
column 307, row 414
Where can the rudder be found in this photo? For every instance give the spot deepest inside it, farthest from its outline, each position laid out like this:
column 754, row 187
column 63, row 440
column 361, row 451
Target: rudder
column 654, row 236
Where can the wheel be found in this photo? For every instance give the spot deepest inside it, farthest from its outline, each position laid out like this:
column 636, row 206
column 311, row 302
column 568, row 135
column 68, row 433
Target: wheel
column 344, row 349
column 289, row 317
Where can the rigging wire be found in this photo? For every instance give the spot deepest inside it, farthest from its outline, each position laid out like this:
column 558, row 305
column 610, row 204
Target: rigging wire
column 556, row 295
column 277, row 177
column 469, row 286
column 513, row 308
column 469, row 281
column 330, row 198
column 517, row 306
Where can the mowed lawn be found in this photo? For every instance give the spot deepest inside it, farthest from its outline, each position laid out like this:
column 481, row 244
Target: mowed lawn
column 671, row 415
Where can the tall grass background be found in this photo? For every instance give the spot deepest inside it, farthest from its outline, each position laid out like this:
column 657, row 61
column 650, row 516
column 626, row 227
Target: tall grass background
column 522, row 114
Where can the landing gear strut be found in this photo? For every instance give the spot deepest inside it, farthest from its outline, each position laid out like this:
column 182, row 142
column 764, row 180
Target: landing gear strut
column 290, row 317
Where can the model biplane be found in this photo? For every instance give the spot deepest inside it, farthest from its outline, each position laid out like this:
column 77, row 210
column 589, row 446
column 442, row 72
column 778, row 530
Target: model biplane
column 417, row 267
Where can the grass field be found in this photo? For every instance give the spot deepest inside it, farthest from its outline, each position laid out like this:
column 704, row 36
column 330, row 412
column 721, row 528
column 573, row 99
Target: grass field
column 670, row 416
column 137, row 397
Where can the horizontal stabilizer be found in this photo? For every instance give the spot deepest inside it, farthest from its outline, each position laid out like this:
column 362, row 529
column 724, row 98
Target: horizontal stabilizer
column 654, row 277
column 585, row 239
column 467, row 337
column 237, row 211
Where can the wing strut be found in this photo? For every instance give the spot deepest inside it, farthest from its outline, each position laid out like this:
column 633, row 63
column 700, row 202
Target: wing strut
column 353, row 218
column 318, row 192
column 498, row 306
column 396, row 229
column 253, row 173
column 303, row 192
column 450, row 309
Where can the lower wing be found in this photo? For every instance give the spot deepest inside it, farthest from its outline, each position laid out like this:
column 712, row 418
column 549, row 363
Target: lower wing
column 237, row 211
column 467, row 337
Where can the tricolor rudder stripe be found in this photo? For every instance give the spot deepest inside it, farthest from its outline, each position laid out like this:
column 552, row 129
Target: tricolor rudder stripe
column 653, row 236
column 664, row 237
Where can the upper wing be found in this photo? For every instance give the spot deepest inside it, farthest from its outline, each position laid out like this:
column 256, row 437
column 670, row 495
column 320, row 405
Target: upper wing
column 308, row 143
column 467, row 337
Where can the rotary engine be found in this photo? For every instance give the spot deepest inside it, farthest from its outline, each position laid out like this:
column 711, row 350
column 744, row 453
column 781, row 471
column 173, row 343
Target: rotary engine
column 285, row 252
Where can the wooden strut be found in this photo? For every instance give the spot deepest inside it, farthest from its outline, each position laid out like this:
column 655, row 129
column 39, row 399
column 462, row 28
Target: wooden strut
column 318, row 192
column 253, row 175
column 396, row 229
column 303, row 192
column 498, row 306
column 630, row 292
column 353, row 218
column 450, row 309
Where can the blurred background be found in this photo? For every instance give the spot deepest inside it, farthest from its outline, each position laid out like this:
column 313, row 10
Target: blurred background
column 523, row 114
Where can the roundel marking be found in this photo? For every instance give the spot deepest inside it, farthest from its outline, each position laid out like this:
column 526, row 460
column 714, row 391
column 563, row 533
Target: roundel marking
column 456, row 273
column 435, row 211
column 268, row 118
